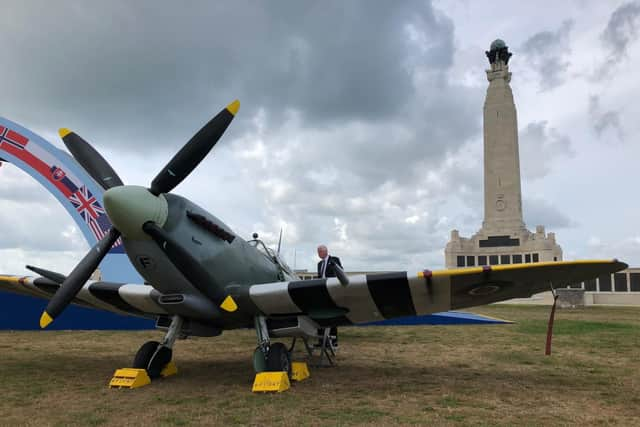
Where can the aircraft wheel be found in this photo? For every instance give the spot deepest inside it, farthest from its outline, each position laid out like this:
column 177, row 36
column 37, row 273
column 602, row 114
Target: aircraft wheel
column 159, row 361
column 279, row 359
column 144, row 354
column 259, row 361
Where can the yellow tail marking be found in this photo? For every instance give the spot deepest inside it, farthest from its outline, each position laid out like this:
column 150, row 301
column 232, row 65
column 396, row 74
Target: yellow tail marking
column 234, row 107
column 45, row 320
column 229, row 304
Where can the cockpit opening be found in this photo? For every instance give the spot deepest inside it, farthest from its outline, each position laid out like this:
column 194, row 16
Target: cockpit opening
column 270, row 254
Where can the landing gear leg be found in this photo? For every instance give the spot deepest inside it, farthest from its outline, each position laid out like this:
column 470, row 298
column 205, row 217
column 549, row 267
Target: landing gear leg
column 267, row 356
column 154, row 356
column 327, row 350
column 261, row 352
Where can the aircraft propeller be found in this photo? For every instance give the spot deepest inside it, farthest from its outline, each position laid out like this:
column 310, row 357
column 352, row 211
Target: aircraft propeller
column 178, row 168
column 77, row 278
column 99, row 169
column 189, row 156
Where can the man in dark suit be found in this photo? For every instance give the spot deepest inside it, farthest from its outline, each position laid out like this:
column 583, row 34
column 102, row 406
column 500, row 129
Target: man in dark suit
column 327, row 264
column 327, row 268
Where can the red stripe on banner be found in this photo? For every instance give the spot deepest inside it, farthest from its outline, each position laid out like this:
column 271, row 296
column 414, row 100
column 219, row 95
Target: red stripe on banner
column 95, row 230
column 17, row 138
column 41, row 167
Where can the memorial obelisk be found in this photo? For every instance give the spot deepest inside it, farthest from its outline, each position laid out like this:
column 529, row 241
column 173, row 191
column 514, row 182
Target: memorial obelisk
column 502, row 192
column 503, row 238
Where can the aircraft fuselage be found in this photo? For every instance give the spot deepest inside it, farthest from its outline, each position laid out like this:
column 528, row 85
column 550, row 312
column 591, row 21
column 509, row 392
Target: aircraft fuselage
column 233, row 264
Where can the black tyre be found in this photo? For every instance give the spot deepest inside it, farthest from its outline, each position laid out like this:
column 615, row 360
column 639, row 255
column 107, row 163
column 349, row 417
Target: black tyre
column 144, row 354
column 159, row 361
column 279, row 359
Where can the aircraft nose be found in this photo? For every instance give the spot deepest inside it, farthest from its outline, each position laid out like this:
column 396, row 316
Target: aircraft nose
column 130, row 206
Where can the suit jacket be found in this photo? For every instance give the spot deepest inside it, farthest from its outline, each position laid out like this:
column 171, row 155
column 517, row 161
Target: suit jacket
column 330, row 271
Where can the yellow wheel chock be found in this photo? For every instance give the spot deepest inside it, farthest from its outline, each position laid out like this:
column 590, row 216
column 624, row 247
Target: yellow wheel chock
column 129, row 378
column 134, row 378
column 169, row 369
column 271, row 381
column 299, row 371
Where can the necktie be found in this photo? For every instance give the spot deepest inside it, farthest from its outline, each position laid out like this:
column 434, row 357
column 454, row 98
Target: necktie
column 324, row 267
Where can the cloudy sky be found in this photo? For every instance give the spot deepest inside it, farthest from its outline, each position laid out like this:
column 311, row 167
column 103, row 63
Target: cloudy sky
column 360, row 125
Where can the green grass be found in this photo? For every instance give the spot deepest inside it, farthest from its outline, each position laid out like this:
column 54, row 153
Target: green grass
column 574, row 327
column 450, row 375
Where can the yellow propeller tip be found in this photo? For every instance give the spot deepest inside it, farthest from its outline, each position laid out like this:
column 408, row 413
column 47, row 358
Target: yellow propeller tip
column 234, row 107
column 229, row 304
column 63, row 132
column 45, row 320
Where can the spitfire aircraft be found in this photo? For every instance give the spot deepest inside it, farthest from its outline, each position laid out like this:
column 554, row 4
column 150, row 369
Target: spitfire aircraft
column 201, row 278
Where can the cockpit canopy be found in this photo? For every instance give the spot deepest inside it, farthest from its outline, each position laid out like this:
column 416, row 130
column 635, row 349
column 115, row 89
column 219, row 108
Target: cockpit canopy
column 272, row 255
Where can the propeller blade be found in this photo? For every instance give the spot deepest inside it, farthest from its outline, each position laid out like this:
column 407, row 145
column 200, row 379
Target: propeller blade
column 189, row 266
column 99, row 169
column 189, row 156
column 51, row 275
column 77, row 278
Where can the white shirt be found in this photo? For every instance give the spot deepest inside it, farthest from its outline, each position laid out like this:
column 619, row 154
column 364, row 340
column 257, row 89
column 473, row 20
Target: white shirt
column 323, row 271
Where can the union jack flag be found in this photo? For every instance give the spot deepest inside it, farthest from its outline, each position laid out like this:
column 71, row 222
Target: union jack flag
column 104, row 224
column 90, row 210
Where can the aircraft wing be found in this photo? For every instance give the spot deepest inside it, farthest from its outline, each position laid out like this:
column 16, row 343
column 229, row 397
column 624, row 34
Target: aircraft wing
column 375, row 297
column 121, row 298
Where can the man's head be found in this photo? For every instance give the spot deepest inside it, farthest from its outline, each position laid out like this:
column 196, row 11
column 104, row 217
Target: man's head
column 322, row 251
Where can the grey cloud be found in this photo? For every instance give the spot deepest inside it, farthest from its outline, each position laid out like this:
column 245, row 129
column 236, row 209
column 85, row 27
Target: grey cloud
column 347, row 113
column 378, row 240
column 604, row 120
column 546, row 53
column 14, row 187
column 540, row 147
column 540, row 212
column 625, row 249
column 24, row 205
column 14, row 260
column 390, row 210
column 149, row 72
column 22, row 227
column 364, row 156
column 621, row 30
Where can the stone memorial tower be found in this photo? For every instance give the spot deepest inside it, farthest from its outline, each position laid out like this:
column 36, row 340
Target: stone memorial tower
column 503, row 238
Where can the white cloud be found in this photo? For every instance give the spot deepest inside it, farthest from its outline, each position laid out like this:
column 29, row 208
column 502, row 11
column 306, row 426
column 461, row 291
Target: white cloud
column 541, row 149
column 605, row 123
column 367, row 114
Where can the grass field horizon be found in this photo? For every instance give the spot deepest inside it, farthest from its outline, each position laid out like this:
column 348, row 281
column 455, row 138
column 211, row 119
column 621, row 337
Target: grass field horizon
column 435, row 375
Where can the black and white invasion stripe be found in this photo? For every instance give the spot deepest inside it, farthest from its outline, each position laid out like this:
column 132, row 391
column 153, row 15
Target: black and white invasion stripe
column 139, row 300
column 366, row 298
